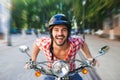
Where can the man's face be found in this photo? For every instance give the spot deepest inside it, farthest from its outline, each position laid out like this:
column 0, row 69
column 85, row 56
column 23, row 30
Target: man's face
column 60, row 34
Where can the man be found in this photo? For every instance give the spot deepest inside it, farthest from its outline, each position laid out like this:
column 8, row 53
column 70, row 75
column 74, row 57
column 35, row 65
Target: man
column 61, row 45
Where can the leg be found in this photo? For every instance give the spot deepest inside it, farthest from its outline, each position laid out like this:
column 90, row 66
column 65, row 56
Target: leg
column 76, row 77
column 49, row 78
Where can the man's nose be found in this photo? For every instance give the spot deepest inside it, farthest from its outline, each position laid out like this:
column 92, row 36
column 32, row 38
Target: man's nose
column 60, row 32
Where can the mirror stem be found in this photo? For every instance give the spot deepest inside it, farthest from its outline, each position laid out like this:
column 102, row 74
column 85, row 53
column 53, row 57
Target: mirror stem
column 27, row 54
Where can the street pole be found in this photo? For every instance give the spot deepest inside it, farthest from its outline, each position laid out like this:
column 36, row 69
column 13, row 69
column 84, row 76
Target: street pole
column 9, row 42
column 83, row 3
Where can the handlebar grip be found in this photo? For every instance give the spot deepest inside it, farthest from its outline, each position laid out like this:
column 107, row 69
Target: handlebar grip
column 32, row 64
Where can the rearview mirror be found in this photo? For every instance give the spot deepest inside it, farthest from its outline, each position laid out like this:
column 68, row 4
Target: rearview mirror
column 104, row 49
column 24, row 48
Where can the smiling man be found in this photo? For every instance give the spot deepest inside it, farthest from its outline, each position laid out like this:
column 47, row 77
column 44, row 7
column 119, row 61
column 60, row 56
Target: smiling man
column 60, row 33
column 61, row 45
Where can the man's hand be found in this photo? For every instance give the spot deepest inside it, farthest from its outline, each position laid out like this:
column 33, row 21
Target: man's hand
column 93, row 61
column 30, row 65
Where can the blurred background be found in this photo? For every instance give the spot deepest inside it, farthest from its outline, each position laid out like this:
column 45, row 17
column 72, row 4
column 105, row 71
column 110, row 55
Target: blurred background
column 100, row 17
column 22, row 21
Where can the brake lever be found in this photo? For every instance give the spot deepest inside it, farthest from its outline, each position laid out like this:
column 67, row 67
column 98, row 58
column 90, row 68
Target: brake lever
column 88, row 63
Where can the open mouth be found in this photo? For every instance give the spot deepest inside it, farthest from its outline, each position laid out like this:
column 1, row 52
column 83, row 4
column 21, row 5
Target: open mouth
column 60, row 38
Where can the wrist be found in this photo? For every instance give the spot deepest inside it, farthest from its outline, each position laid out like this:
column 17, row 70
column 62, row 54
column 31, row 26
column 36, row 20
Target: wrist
column 33, row 63
column 90, row 59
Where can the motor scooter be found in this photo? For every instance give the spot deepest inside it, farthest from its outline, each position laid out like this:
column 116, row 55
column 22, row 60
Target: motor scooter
column 60, row 69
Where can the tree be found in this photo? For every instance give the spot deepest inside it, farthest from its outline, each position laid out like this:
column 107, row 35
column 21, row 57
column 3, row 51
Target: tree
column 38, row 12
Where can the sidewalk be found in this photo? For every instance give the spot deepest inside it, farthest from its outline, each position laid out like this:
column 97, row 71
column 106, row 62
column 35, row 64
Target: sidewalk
column 16, row 40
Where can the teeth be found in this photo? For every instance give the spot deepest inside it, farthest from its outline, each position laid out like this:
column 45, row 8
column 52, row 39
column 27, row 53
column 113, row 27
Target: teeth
column 60, row 38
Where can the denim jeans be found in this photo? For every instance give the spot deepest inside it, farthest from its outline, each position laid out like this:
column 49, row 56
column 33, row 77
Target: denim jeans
column 74, row 77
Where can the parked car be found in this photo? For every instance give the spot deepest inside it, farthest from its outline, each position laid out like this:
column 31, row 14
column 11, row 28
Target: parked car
column 15, row 31
column 28, row 31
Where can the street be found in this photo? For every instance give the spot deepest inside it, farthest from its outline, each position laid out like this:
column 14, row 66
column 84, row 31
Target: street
column 12, row 61
column 109, row 63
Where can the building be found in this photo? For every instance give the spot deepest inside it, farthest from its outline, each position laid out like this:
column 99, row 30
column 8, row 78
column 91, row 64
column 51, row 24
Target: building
column 5, row 6
column 111, row 27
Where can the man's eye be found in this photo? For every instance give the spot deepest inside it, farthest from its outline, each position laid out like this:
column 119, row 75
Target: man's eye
column 55, row 30
column 64, row 29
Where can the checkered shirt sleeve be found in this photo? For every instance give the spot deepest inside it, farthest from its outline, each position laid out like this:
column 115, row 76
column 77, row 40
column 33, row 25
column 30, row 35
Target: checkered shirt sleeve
column 44, row 45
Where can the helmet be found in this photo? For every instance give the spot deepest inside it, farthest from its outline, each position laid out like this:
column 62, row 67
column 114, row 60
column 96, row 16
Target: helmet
column 59, row 19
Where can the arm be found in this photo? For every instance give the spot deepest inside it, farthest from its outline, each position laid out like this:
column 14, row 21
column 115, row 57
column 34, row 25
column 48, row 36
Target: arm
column 87, row 53
column 35, row 52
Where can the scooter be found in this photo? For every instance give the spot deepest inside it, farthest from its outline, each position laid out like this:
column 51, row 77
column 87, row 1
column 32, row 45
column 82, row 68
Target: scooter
column 60, row 69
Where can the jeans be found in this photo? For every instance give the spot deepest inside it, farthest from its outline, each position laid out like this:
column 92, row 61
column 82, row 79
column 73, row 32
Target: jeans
column 74, row 77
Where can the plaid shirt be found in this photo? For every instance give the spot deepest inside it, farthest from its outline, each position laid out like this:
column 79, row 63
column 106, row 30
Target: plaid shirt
column 75, row 45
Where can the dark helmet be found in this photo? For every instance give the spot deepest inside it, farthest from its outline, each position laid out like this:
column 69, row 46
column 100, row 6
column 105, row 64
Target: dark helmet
column 59, row 19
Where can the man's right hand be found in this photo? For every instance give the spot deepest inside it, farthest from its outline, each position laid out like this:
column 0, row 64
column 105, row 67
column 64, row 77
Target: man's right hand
column 30, row 65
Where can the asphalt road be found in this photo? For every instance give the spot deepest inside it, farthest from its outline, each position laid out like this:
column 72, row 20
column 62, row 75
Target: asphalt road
column 12, row 60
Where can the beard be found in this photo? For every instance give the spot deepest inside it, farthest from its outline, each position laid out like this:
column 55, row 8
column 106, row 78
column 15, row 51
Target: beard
column 60, row 40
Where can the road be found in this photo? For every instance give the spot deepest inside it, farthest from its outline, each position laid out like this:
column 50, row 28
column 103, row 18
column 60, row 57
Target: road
column 12, row 60
column 109, row 63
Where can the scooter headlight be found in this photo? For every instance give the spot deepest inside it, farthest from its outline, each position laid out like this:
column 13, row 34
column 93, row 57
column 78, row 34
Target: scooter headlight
column 60, row 68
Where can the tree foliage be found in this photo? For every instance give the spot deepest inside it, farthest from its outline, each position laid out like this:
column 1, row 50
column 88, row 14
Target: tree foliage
column 35, row 13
